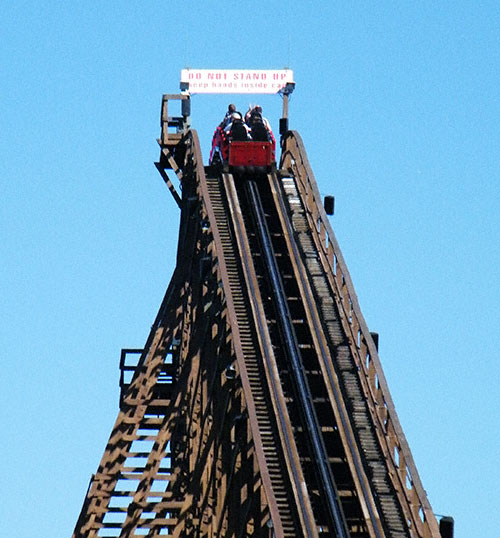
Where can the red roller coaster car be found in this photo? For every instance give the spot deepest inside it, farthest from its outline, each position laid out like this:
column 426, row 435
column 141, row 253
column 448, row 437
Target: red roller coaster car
column 237, row 153
column 250, row 153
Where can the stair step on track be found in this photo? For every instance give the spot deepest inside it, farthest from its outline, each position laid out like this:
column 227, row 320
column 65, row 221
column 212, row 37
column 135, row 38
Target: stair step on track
column 256, row 379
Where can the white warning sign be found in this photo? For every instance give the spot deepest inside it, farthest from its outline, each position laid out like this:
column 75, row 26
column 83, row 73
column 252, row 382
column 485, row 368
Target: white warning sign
column 236, row 80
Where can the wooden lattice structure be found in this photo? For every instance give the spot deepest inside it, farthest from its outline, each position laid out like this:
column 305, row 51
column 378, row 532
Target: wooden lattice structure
column 258, row 406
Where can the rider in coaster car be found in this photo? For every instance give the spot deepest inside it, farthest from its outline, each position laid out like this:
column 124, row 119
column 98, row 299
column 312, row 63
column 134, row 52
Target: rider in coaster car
column 259, row 126
column 256, row 112
column 234, row 130
column 231, row 109
column 237, row 129
column 218, row 137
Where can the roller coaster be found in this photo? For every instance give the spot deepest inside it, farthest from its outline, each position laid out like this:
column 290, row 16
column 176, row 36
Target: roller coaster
column 258, row 406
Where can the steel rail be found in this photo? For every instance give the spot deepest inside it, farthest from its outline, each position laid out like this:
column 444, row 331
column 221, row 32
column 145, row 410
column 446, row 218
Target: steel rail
column 289, row 340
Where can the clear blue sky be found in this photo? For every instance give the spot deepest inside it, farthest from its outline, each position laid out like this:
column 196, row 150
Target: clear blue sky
column 398, row 106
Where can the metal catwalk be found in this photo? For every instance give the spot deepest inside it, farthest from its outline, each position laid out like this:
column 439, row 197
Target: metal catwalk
column 258, row 406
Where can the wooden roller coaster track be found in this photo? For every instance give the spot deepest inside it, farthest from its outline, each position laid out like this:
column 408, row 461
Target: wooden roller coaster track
column 258, row 406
